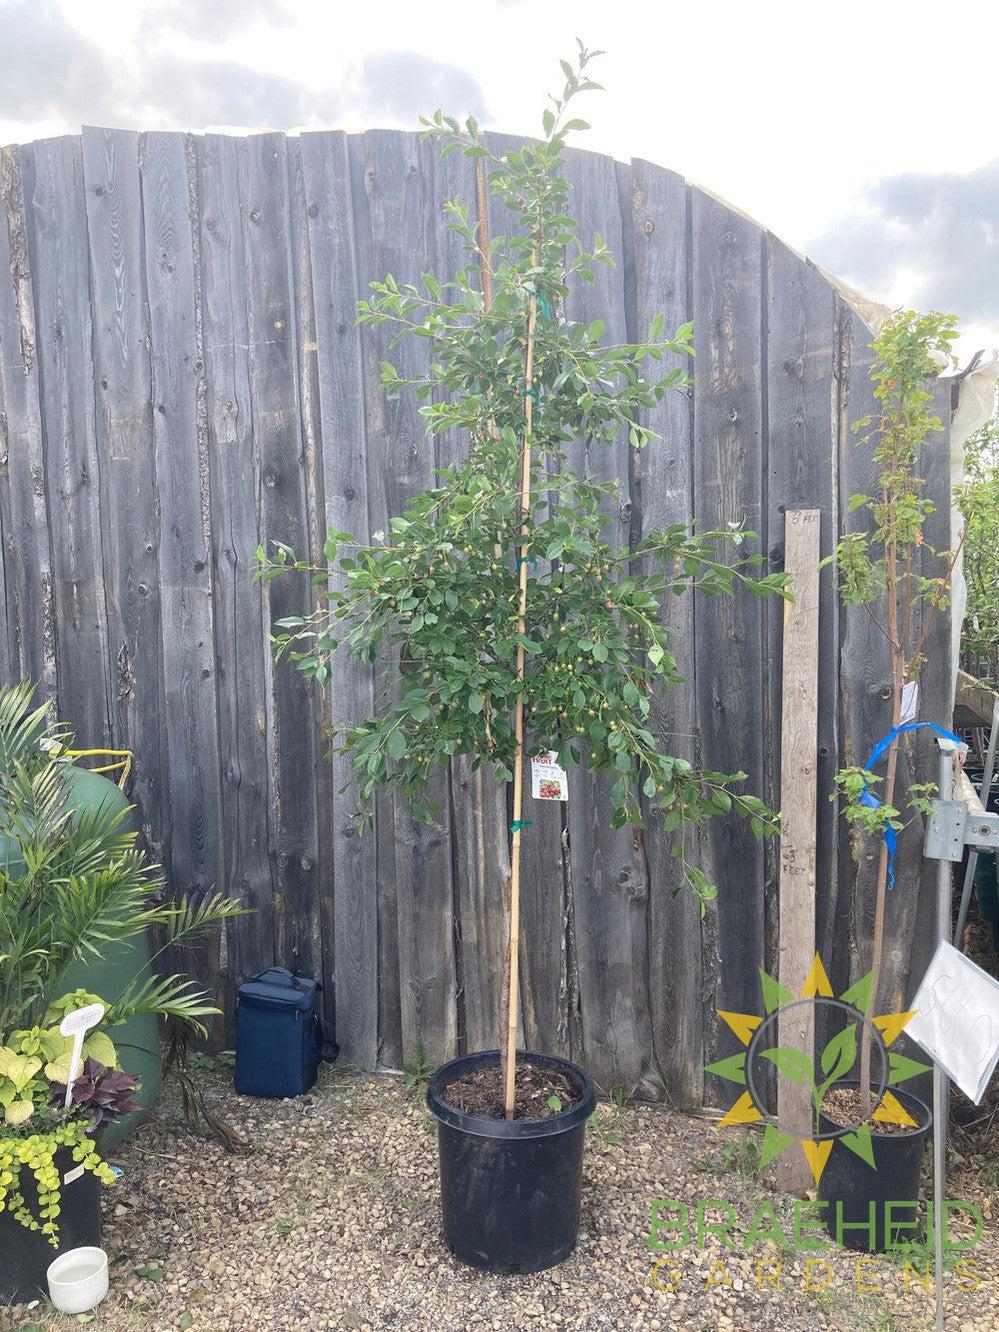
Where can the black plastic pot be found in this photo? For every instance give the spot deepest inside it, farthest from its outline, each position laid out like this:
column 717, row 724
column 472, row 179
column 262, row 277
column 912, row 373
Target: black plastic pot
column 25, row 1254
column 849, row 1182
column 510, row 1189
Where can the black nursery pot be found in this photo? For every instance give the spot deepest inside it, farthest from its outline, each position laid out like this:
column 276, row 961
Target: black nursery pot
column 850, row 1182
column 510, row 1189
column 25, row 1254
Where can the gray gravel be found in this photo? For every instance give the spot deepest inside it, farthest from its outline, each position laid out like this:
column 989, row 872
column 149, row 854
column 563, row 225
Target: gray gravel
column 333, row 1222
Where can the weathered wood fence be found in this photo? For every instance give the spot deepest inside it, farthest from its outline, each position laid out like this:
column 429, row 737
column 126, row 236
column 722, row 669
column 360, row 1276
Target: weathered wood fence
column 182, row 380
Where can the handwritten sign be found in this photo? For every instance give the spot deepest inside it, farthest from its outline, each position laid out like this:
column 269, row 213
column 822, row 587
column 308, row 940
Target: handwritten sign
column 957, row 1019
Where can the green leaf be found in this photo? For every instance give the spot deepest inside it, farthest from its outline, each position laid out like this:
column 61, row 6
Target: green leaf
column 150, row 1273
column 733, row 1068
column 860, row 1144
column 902, row 1068
column 475, row 703
column 792, row 1064
column 599, row 652
column 774, row 1142
column 396, row 744
column 859, row 994
column 774, row 994
column 185, row 1320
column 840, row 1054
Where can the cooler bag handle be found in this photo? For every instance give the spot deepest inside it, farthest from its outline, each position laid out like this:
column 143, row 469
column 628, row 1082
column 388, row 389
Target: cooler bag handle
column 295, row 980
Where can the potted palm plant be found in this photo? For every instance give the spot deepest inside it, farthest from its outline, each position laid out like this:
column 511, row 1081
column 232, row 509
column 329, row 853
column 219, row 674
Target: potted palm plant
column 71, row 885
column 520, row 628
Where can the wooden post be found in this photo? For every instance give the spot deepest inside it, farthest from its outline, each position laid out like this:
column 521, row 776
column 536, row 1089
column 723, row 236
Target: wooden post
column 799, row 761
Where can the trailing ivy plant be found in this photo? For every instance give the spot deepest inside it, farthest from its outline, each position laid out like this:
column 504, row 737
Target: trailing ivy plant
column 889, row 569
column 520, row 625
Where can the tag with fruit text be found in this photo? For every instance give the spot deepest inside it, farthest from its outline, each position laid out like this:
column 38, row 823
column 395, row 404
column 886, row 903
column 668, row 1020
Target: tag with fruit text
column 548, row 780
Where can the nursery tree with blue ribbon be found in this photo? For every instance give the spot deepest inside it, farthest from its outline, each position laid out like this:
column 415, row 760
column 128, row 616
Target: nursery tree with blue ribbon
column 884, row 568
column 518, row 626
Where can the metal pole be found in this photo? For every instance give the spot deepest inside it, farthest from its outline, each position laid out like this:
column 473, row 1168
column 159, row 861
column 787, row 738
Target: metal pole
column 969, row 874
column 945, row 783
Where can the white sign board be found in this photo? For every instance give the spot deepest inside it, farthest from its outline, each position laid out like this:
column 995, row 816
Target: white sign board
column 957, row 1019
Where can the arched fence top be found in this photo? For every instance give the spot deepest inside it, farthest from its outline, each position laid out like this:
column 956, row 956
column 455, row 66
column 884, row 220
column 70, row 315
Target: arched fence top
column 182, row 380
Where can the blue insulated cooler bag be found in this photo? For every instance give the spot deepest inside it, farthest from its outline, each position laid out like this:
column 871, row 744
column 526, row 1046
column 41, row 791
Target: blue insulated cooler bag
column 279, row 1037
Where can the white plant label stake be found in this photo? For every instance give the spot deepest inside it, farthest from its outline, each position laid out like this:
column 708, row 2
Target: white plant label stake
column 77, row 1024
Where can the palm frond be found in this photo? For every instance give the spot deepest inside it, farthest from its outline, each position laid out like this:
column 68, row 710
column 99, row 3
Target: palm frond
column 168, row 996
column 75, row 882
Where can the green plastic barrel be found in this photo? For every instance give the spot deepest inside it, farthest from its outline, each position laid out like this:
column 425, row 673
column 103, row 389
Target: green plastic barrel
column 137, row 1040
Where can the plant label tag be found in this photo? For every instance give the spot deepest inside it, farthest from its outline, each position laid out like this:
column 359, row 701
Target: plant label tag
column 957, row 1019
column 71, row 1176
column 77, row 1024
column 910, row 702
column 81, row 1020
column 548, row 780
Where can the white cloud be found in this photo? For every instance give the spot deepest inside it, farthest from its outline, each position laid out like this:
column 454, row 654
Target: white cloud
column 802, row 116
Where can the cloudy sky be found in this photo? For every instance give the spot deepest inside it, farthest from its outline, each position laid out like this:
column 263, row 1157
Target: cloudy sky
column 868, row 138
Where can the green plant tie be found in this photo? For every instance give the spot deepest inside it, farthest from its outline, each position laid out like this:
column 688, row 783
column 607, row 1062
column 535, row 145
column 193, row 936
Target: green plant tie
column 518, row 825
column 529, row 560
column 545, row 308
column 531, row 393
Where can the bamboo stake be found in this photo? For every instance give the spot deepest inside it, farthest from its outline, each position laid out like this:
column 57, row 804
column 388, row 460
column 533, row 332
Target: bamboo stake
column 518, row 771
column 486, row 273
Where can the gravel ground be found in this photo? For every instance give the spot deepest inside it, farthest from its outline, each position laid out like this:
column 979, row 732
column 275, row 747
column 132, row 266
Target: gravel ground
column 333, row 1222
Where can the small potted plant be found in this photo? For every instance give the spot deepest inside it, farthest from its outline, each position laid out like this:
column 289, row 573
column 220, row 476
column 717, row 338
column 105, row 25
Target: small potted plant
column 70, row 886
column 522, row 629
column 883, row 567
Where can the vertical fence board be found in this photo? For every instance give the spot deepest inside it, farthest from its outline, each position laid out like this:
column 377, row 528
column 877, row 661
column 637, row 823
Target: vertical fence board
column 241, row 649
column 60, row 263
column 398, row 178
column 479, row 819
column 27, row 559
column 310, row 955
column 663, row 495
column 608, row 876
column 938, row 680
column 354, row 922
column 728, row 475
column 273, row 383
column 548, row 983
column 192, row 789
column 865, row 673
column 129, row 506
column 369, row 269
column 802, row 410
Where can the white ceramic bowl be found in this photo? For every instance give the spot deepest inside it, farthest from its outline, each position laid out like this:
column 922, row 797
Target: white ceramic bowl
column 78, row 1279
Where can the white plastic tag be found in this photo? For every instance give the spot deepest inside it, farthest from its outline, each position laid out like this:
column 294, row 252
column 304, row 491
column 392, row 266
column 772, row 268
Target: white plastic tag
column 81, row 1020
column 77, row 1024
column 549, row 781
column 72, row 1175
column 910, row 702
